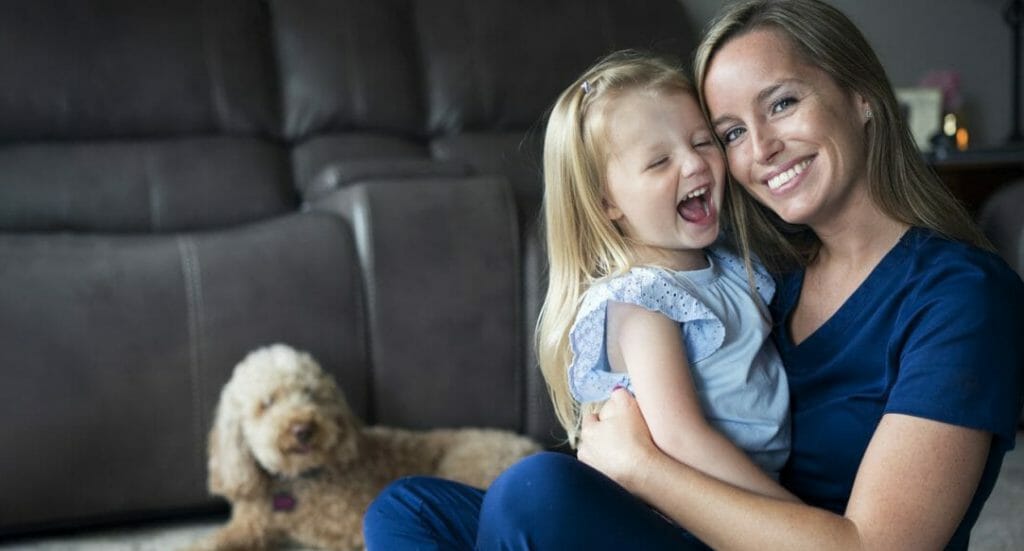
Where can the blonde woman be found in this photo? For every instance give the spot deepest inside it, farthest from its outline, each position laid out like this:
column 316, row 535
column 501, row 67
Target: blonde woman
column 639, row 297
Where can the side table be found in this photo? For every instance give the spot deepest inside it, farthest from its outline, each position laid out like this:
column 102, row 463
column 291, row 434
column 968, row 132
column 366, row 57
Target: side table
column 975, row 174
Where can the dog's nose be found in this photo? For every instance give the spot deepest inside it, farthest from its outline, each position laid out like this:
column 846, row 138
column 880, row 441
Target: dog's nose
column 303, row 432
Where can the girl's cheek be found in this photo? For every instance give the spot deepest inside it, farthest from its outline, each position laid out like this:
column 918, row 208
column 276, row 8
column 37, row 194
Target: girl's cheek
column 736, row 165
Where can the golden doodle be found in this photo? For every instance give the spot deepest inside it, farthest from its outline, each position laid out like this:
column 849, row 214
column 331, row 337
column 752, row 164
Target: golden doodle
column 298, row 467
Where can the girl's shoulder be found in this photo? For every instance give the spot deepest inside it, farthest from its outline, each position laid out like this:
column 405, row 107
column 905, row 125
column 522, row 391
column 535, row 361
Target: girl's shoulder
column 733, row 263
column 651, row 288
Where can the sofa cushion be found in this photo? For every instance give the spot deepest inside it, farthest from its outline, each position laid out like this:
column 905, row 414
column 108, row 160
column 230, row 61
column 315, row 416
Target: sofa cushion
column 143, row 186
column 498, row 65
column 347, row 65
column 119, row 68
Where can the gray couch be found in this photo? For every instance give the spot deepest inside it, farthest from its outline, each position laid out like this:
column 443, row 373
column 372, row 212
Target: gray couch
column 181, row 182
column 1002, row 218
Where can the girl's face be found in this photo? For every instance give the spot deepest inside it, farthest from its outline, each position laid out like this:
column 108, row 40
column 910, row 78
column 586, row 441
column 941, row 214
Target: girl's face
column 664, row 176
column 793, row 138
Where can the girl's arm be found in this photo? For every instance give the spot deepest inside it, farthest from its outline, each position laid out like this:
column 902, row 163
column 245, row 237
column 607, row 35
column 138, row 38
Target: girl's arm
column 914, row 484
column 649, row 347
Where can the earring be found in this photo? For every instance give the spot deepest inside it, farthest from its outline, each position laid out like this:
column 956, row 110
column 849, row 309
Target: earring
column 868, row 114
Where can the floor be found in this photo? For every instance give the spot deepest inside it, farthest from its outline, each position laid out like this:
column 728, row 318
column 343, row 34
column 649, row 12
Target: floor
column 1000, row 528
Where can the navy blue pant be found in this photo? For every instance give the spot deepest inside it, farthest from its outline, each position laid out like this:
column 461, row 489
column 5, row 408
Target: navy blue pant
column 546, row 501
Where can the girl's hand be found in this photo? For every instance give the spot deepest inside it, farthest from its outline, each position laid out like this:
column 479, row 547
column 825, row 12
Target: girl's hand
column 616, row 441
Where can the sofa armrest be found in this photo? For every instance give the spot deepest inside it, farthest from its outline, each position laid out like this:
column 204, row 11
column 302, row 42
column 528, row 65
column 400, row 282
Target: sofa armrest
column 441, row 269
column 339, row 175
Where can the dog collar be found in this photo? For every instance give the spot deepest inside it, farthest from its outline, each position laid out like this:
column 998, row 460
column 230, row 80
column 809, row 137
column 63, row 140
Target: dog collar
column 283, row 502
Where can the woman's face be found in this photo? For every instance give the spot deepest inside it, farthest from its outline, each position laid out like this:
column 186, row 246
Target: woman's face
column 793, row 138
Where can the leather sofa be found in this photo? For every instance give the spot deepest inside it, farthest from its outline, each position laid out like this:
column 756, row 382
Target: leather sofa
column 1001, row 219
column 182, row 182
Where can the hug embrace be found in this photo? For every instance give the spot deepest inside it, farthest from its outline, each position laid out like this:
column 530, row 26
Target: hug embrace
column 768, row 324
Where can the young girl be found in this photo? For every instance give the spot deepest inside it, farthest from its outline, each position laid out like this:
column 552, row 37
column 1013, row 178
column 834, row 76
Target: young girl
column 639, row 294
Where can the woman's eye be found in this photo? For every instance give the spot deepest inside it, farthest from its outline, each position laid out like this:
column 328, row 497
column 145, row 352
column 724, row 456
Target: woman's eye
column 732, row 135
column 782, row 104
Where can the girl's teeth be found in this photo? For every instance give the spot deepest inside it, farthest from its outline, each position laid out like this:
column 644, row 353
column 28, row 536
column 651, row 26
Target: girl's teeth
column 777, row 181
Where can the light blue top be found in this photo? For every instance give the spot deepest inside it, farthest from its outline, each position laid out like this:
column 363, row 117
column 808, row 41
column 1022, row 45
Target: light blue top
column 725, row 331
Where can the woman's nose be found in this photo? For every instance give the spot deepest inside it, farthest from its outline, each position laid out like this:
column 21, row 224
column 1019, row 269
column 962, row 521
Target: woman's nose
column 766, row 145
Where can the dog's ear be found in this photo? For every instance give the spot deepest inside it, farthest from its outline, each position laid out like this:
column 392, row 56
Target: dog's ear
column 233, row 471
column 350, row 427
column 350, row 438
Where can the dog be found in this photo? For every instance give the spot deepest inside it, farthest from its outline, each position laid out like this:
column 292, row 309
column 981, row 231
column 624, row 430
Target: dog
column 298, row 467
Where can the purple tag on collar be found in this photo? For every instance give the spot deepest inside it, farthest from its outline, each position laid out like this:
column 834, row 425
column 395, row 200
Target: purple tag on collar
column 283, row 501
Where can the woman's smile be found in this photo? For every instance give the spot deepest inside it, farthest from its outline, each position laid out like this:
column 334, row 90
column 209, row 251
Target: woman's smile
column 787, row 176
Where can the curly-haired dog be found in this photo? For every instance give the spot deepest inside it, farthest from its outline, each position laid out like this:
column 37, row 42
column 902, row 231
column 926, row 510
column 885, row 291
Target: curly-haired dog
column 296, row 464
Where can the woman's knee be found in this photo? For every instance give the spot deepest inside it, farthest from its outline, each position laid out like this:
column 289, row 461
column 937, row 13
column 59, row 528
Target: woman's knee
column 549, row 478
column 402, row 499
column 423, row 513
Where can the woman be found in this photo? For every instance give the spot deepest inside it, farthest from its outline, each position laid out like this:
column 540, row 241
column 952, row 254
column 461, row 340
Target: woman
column 900, row 332
column 900, row 335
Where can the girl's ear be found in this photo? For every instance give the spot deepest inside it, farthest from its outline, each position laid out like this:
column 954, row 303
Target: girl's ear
column 610, row 210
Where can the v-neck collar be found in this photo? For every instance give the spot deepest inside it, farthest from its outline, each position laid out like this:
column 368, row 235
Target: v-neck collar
column 829, row 335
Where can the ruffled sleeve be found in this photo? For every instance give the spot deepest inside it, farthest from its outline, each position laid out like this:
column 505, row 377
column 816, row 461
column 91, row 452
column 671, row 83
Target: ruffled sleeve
column 590, row 375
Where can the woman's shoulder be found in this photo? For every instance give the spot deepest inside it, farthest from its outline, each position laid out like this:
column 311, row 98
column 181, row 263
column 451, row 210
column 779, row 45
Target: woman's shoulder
column 951, row 282
column 934, row 259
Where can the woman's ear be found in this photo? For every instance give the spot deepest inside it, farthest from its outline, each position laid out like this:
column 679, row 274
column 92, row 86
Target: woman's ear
column 864, row 107
column 233, row 471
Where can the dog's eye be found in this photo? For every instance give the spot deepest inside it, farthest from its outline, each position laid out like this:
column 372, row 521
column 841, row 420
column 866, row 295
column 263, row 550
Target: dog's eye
column 266, row 402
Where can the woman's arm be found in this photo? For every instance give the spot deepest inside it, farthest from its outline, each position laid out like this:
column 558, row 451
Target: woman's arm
column 648, row 346
column 914, row 484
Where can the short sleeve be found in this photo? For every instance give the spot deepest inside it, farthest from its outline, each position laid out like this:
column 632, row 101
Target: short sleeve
column 590, row 375
column 963, row 348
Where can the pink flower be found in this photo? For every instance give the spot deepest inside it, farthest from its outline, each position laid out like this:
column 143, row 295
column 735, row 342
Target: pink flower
column 948, row 82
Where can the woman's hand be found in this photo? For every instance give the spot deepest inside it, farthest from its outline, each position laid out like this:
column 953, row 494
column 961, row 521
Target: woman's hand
column 616, row 441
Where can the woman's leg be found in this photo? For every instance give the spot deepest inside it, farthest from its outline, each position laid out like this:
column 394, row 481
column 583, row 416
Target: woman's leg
column 553, row 501
column 423, row 513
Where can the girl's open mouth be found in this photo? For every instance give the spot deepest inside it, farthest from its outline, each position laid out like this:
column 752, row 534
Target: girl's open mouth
column 695, row 207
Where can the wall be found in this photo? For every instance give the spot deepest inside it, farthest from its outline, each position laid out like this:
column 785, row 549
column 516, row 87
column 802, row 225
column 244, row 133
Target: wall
column 913, row 37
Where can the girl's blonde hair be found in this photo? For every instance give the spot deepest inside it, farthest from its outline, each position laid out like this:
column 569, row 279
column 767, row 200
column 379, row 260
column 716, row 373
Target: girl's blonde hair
column 583, row 245
column 899, row 181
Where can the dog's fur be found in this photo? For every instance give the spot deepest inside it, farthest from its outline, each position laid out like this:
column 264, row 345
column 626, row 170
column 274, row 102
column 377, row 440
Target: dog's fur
column 283, row 433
